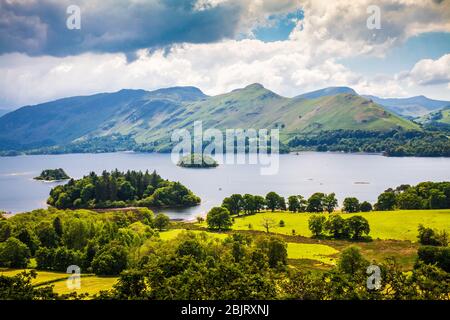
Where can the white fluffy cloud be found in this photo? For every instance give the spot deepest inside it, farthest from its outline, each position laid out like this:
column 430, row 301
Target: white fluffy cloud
column 309, row 60
column 431, row 72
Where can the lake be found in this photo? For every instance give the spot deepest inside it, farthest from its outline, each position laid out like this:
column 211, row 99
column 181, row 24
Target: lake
column 360, row 175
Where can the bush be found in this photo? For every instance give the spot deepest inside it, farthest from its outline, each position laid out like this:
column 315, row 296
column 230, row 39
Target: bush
column 365, row 206
column 431, row 237
column 14, row 254
column 281, row 223
column 316, row 224
column 219, row 218
column 112, row 260
column 439, row 256
column 161, row 221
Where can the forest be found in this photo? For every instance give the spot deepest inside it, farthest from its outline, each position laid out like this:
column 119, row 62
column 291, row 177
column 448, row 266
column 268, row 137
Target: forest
column 117, row 190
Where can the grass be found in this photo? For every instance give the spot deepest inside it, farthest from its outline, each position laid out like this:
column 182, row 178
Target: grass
column 317, row 252
column 42, row 276
column 89, row 283
column 399, row 225
column 173, row 233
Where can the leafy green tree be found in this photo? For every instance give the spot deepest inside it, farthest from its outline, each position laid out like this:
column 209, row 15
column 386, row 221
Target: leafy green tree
column 111, row 260
column 316, row 224
column 352, row 261
column 27, row 236
column 57, row 225
column 260, row 203
column 357, row 226
column 47, row 235
column 330, row 202
column 219, row 218
column 273, row 201
column 409, row 199
column 365, row 206
column 76, row 233
column 161, row 221
column 316, row 202
column 234, row 204
column 337, row 227
column 276, row 250
column 293, row 204
column 5, row 230
column 431, row 237
column 437, row 199
column 351, row 205
column 249, row 203
column 386, row 201
column 14, row 253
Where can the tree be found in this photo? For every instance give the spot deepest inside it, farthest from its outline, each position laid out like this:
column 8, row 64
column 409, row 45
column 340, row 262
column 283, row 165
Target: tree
column 249, row 203
column 315, row 202
column 268, row 223
column 409, row 199
column 161, row 221
column 233, row 203
column 27, row 236
column 260, row 203
column 351, row 205
column 14, row 253
column 337, row 227
column 386, row 201
column 219, row 218
column 276, row 250
column 274, row 201
column 330, row 202
column 21, row 287
column 293, row 204
column 47, row 235
column 365, row 206
column 352, row 262
column 111, row 260
column 5, row 230
column 437, row 199
column 357, row 226
column 431, row 237
column 316, row 224
column 57, row 225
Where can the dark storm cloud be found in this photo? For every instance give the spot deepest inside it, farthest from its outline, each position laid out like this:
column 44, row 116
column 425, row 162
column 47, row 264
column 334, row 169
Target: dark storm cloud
column 38, row 27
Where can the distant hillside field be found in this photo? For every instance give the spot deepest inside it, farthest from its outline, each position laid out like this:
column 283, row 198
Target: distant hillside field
column 398, row 225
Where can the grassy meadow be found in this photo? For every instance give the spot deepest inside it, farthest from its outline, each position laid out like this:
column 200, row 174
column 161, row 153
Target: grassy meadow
column 395, row 225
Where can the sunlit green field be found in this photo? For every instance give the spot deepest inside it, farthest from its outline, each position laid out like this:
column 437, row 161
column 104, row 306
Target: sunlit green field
column 42, row 276
column 318, row 252
column 173, row 233
column 399, row 225
column 89, row 284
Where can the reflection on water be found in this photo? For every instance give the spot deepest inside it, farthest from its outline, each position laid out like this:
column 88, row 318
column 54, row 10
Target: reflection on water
column 359, row 175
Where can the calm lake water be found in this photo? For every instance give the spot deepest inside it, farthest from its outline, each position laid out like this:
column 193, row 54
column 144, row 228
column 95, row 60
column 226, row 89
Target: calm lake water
column 359, row 175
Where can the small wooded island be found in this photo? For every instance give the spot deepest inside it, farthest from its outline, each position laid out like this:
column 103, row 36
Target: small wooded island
column 194, row 160
column 52, row 175
column 121, row 189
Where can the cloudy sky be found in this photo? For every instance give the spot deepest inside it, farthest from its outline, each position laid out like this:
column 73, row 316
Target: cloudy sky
column 289, row 46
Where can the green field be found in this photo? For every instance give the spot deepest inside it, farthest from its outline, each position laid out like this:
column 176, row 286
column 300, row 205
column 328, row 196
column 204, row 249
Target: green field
column 89, row 283
column 318, row 252
column 398, row 225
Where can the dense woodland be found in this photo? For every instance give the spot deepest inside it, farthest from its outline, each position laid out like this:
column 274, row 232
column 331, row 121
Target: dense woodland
column 395, row 143
column 118, row 189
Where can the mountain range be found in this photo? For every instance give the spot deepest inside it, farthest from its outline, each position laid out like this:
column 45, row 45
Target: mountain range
column 149, row 117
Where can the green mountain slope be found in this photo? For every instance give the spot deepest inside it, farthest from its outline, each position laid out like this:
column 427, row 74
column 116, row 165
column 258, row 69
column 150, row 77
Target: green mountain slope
column 149, row 118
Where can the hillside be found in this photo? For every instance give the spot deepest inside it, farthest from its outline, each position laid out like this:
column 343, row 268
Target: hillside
column 411, row 107
column 149, row 118
column 438, row 119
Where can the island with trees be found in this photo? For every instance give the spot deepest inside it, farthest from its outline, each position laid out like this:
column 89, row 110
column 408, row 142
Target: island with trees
column 121, row 189
column 194, row 160
column 53, row 175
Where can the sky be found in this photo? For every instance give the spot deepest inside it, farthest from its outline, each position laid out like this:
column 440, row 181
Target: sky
column 387, row 48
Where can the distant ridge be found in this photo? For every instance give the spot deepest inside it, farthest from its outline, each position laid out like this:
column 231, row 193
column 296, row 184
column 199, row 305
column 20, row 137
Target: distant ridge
column 128, row 117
